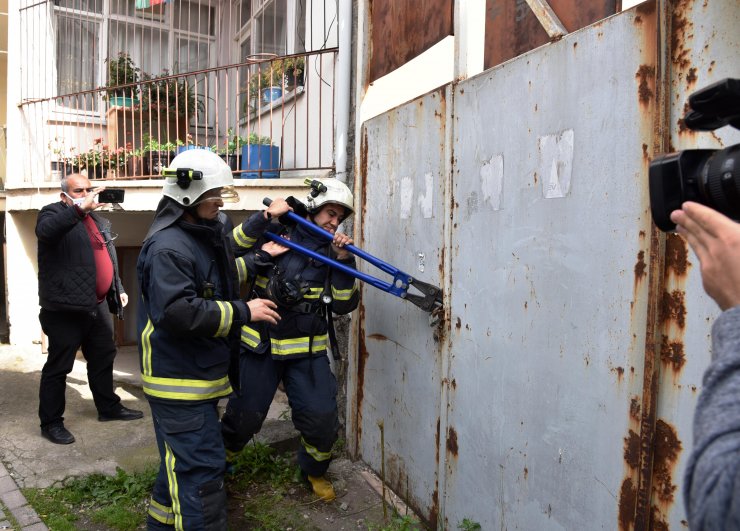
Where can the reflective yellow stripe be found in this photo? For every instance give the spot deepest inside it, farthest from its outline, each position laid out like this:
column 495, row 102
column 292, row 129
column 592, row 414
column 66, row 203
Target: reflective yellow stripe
column 250, row 336
column 146, row 347
column 161, row 513
column 241, row 239
column 313, row 293
column 313, row 452
column 179, row 389
column 169, row 464
column 241, row 269
column 343, row 294
column 227, row 317
column 261, row 282
column 298, row 345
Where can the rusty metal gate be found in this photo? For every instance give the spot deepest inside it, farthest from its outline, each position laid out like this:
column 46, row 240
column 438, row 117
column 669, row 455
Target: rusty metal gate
column 558, row 391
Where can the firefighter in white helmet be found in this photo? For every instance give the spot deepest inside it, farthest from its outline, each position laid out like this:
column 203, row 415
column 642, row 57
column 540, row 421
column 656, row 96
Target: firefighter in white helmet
column 294, row 350
column 189, row 320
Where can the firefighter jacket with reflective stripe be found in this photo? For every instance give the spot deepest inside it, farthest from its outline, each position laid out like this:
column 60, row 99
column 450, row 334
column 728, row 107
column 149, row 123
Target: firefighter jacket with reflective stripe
column 302, row 330
column 189, row 314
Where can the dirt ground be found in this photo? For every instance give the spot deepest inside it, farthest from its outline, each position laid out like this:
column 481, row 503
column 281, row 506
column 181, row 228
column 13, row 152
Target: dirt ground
column 358, row 504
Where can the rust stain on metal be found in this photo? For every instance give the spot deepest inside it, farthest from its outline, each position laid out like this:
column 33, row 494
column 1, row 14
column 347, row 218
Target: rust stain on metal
column 526, row 472
column 667, row 448
column 674, row 307
column 635, row 408
column 361, row 364
column 452, row 442
column 619, row 371
column 676, row 254
column 657, row 522
column 645, row 156
column 363, row 171
column 434, row 510
column 682, row 30
column 379, row 337
column 458, row 324
column 646, row 78
column 627, row 502
column 640, row 266
column 632, row 449
column 671, row 353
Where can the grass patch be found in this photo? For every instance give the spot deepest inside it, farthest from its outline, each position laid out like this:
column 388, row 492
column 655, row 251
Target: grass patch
column 118, row 502
column 263, row 489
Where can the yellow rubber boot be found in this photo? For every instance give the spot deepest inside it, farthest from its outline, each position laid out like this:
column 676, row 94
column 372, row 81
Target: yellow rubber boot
column 322, row 487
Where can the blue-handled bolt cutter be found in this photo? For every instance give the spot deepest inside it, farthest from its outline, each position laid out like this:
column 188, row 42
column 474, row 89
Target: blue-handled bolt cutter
column 429, row 300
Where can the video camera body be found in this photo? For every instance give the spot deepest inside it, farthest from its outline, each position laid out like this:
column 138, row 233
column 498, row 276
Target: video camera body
column 707, row 176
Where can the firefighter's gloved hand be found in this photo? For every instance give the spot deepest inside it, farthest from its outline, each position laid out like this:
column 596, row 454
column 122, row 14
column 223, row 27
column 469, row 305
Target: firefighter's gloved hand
column 298, row 207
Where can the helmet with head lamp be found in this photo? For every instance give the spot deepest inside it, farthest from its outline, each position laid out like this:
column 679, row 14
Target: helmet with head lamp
column 329, row 191
column 195, row 172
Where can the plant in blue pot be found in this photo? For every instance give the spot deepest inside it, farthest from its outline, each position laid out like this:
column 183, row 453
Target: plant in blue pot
column 122, row 73
column 260, row 158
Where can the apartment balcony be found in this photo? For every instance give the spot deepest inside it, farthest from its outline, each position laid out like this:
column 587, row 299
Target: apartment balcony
column 115, row 89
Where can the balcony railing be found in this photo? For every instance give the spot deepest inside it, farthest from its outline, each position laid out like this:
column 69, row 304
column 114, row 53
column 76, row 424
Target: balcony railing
column 267, row 117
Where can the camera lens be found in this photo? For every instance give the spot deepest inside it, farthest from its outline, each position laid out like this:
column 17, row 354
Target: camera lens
column 707, row 176
column 721, row 181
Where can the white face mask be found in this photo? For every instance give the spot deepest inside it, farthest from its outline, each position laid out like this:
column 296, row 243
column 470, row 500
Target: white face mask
column 76, row 201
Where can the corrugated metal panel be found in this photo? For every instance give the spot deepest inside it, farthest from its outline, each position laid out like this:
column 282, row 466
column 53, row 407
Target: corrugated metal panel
column 512, row 28
column 704, row 49
column 562, row 395
column 400, row 366
column 402, row 29
column 552, row 204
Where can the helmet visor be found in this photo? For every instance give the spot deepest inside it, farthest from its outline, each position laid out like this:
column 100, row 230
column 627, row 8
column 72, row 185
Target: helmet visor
column 225, row 194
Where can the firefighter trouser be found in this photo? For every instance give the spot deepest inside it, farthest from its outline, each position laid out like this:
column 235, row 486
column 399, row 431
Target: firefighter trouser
column 312, row 394
column 189, row 490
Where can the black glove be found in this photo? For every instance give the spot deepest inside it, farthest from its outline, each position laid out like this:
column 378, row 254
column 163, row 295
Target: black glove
column 298, row 208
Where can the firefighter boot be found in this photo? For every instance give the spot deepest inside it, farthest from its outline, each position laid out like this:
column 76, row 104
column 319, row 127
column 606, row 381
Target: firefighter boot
column 322, row 487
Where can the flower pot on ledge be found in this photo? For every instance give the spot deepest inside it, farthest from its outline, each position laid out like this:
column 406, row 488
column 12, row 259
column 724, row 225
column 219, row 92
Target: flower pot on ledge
column 263, row 161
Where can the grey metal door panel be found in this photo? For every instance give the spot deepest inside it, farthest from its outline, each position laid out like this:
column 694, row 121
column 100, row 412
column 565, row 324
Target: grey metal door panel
column 401, row 364
column 549, row 348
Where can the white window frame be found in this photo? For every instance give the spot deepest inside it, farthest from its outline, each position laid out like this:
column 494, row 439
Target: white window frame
column 69, row 114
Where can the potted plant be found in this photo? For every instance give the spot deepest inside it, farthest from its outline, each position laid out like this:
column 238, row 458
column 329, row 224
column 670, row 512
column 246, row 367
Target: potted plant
column 122, row 71
column 260, row 157
column 156, row 155
column 60, row 166
column 168, row 95
column 294, row 67
column 89, row 161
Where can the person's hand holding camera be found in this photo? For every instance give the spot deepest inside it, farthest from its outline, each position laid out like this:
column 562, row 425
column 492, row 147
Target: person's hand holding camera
column 715, row 239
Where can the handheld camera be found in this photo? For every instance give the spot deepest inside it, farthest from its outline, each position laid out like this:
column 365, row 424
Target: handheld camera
column 707, row 176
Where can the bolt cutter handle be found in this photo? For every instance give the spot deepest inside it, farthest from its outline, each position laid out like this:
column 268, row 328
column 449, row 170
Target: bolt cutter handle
column 432, row 295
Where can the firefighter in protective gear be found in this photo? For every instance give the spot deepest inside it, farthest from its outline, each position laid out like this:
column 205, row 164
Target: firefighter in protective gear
column 189, row 319
column 293, row 351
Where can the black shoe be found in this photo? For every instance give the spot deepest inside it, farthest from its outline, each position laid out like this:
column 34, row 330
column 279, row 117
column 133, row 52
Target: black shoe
column 120, row 413
column 57, row 434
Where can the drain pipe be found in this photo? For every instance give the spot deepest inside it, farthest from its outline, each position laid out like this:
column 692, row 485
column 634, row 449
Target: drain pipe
column 344, row 72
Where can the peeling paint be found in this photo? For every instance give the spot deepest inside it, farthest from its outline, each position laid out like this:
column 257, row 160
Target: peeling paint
column 627, row 502
column 672, row 353
column 640, row 266
column 667, row 449
column 555, row 164
column 492, row 181
column 674, row 307
column 632, row 449
column 645, row 90
column 676, row 254
column 452, row 442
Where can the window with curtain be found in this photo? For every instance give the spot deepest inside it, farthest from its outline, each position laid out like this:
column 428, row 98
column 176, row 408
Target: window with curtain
column 176, row 37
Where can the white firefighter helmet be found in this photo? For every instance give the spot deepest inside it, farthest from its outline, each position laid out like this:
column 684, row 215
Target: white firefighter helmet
column 194, row 172
column 330, row 191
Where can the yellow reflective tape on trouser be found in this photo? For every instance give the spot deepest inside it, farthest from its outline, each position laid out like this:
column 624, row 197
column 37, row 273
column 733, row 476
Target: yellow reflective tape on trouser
column 227, row 317
column 313, row 452
column 250, row 336
column 298, row 345
column 169, row 465
column 146, row 347
column 178, row 389
column 241, row 270
column 343, row 294
column 161, row 513
column 241, row 239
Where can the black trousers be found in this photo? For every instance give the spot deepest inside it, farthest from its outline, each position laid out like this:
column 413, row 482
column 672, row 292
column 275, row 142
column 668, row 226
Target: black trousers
column 68, row 332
